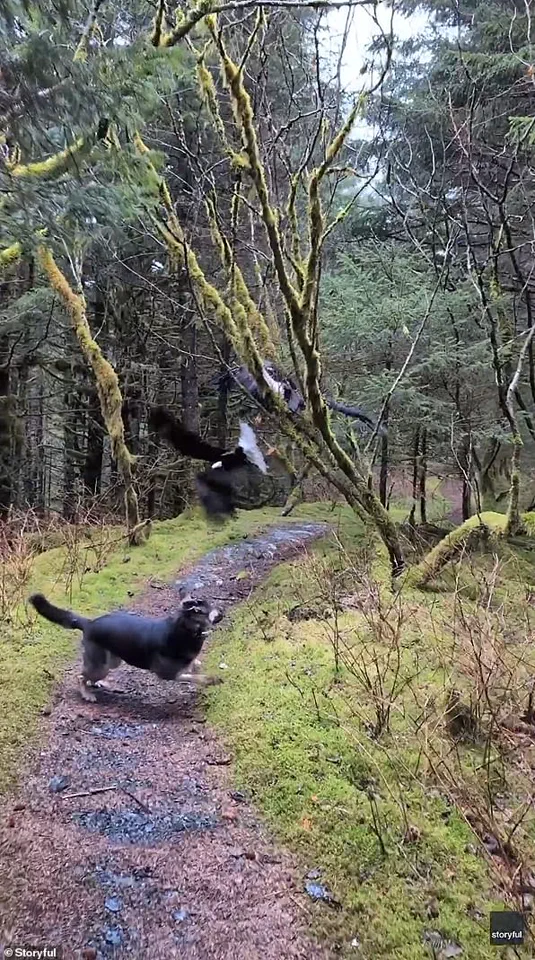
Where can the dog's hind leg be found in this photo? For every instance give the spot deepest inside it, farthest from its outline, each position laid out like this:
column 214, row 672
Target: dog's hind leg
column 97, row 663
column 113, row 662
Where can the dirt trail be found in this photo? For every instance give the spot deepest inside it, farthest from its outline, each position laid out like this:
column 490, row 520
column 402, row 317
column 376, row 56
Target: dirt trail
column 169, row 862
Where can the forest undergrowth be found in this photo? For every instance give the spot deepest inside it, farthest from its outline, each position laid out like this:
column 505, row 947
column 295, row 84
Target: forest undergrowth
column 389, row 739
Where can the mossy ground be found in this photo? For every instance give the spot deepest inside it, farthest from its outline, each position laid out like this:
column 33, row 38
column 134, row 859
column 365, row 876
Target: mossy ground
column 376, row 814
column 382, row 816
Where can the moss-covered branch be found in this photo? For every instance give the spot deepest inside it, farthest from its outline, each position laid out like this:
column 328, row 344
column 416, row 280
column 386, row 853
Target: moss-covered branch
column 473, row 531
column 514, row 520
column 300, row 304
column 184, row 23
column 80, row 54
column 62, row 162
column 109, row 392
column 54, row 166
column 251, row 320
column 10, row 254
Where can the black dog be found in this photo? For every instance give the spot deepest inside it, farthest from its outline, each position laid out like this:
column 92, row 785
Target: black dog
column 166, row 646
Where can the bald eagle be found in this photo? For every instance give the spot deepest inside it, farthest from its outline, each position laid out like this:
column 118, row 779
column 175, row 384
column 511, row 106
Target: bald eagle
column 286, row 388
column 215, row 486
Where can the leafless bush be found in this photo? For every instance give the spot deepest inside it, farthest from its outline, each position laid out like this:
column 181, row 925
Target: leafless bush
column 88, row 546
column 17, row 556
column 374, row 653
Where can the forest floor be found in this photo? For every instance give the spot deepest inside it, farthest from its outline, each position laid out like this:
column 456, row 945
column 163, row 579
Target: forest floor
column 126, row 838
column 312, row 805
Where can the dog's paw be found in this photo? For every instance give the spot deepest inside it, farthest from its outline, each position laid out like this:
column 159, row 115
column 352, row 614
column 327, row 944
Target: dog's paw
column 86, row 692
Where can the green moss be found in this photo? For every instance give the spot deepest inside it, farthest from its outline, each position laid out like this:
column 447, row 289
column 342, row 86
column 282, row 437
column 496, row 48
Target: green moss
column 34, row 653
column 301, row 747
column 468, row 533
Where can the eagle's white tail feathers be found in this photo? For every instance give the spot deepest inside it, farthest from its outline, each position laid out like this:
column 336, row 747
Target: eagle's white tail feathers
column 250, row 447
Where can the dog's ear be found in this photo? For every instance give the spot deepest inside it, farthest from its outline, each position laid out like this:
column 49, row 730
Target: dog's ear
column 198, row 606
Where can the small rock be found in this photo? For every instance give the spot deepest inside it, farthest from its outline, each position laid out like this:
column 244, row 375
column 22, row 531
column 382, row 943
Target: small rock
column 223, row 666
column 238, row 796
column 450, row 949
column 355, row 943
column 471, row 848
column 229, row 813
column 58, row 783
column 114, row 936
column 20, row 806
column 89, row 953
column 251, row 855
column 474, row 912
column 114, row 904
column 313, row 874
column 318, row 892
column 46, row 711
column 527, row 902
column 180, row 915
column 492, row 845
column 527, row 883
column 236, row 853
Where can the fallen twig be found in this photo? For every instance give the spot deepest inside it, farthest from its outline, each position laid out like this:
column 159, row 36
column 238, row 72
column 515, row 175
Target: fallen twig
column 113, row 786
column 88, row 793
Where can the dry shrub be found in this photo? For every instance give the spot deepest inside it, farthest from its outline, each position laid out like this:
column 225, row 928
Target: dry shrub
column 17, row 556
column 88, row 546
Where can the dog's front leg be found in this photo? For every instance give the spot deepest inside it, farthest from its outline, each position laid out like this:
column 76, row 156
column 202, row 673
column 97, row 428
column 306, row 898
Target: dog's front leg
column 199, row 679
column 86, row 692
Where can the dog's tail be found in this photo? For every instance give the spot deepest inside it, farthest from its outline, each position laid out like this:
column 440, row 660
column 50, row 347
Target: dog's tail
column 65, row 618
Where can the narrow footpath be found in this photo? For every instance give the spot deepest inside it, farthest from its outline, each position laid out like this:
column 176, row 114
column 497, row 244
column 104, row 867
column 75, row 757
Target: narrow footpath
column 125, row 837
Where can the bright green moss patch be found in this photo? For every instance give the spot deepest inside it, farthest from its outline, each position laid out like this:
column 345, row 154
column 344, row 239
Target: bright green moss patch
column 374, row 814
column 92, row 576
column 464, row 537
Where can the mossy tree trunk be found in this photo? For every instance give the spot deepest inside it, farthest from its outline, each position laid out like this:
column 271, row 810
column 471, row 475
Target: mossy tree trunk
column 109, row 393
column 297, row 494
column 423, row 476
column 383, row 474
column 415, row 475
column 94, row 447
column 5, row 427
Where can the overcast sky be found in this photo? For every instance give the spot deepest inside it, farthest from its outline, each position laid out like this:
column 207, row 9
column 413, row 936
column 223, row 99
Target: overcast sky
column 361, row 32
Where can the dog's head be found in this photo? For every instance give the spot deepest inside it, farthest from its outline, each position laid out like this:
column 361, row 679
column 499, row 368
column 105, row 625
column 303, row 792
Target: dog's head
column 200, row 613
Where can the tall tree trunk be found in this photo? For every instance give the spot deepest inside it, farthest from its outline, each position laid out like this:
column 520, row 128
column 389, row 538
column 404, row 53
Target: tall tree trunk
column 423, row 476
column 223, row 393
column 108, row 389
column 189, row 387
column 464, row 459
column 70, row 440
column 5, row 429
column 94, row 451
column 383, row 475
column 415, row 474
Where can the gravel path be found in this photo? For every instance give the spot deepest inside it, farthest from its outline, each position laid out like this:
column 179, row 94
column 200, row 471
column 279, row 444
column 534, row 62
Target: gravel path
column 165, row 860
